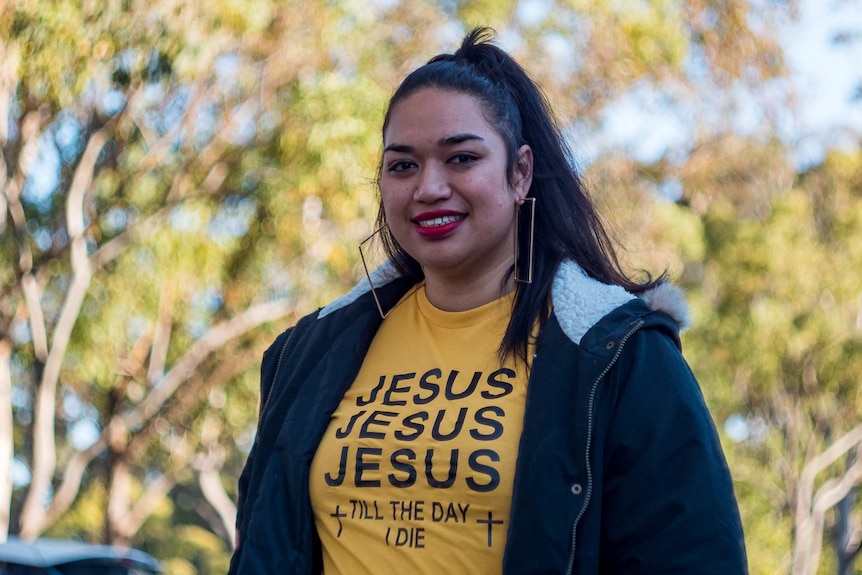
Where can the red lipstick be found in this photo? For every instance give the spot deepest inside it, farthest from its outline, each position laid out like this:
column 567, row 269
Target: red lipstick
column 438, row 223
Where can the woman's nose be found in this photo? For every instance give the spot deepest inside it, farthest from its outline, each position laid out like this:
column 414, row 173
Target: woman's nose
column 432, row 185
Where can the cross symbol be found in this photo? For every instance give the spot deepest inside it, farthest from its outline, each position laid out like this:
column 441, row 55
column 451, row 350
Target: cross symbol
column 490, row 522
column 338, row 516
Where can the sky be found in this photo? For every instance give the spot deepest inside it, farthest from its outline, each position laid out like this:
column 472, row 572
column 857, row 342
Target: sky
column 825, row 75
column 646, row 126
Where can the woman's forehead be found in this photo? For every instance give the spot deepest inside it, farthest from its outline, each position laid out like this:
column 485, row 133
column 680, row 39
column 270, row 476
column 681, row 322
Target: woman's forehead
column 437, row 116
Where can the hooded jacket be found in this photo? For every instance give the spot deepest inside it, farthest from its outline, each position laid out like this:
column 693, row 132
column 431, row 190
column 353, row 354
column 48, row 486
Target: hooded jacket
column 619, row 469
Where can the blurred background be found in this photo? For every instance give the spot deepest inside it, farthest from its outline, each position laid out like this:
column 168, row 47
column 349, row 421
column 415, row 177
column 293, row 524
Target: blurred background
column 180, row 180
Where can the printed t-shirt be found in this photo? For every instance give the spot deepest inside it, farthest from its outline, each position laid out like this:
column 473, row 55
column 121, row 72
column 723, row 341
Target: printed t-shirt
column 415, row 471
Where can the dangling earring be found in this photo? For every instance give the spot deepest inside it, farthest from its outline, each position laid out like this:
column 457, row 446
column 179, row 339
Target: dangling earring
column 368, row 275
column 525, row 222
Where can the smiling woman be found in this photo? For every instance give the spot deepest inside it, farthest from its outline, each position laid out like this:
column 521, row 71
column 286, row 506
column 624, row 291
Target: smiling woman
column 499, row 397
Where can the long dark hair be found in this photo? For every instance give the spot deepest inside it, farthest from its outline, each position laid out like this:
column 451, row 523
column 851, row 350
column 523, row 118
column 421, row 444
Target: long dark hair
column 567, row 223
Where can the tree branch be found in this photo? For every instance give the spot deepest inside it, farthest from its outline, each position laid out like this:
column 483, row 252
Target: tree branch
column 810, row 511
column 6, row 437
column 162, row 335
column 147, row 502
column 216, row 337
column 834, row 490
column 44, row 448
column 65, row 495
column 214, row 492
column 38, row 332
column 29, row 285
column 111, row 249
column 829, row 494
column 117, row 513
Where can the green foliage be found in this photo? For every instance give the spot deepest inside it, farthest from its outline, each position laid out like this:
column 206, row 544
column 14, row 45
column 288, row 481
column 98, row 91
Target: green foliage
column 192, row 550
column 780, row 339
column 241, row 141
column 85, row 521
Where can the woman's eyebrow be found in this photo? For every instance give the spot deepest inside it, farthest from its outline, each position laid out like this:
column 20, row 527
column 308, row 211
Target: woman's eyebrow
column 442, row 142
column 402, row 148
column 457, row 139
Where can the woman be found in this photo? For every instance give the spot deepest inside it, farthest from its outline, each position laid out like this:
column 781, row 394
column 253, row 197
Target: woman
column 470, row 409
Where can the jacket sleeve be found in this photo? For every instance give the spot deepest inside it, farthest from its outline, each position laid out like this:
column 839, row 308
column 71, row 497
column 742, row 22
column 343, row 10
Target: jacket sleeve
column 267, row 377
column 668, row 500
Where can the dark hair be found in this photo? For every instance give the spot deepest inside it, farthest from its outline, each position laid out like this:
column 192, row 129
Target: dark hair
column 567, row 223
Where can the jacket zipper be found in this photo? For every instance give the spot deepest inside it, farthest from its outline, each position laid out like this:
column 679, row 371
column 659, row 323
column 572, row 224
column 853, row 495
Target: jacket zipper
column 595, row 388
column 275, row 377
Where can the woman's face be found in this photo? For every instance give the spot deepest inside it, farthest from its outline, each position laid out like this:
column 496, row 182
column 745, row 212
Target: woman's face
column 445, row 188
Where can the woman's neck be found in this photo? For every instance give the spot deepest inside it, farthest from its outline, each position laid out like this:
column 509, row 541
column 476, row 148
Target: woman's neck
column 454, row 292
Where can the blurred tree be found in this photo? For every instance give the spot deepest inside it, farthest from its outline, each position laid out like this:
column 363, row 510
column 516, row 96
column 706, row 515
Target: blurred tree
column 180, row 181
column 144, row 237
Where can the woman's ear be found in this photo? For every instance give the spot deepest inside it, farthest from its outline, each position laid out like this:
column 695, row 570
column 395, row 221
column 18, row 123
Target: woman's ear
column 522, row 178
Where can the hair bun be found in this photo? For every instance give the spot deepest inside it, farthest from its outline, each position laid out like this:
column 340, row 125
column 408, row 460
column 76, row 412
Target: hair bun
column 478, row 53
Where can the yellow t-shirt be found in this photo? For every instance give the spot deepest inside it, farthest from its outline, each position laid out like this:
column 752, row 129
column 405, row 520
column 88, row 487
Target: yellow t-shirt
column 415, row 472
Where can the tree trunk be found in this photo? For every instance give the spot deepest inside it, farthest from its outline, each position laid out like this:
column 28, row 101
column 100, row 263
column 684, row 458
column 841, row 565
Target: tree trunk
column 846, row 532
column 811, row 506
column 6, row 441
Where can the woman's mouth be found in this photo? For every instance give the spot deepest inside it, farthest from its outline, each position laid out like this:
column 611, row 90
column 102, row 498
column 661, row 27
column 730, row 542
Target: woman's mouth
column 441, row 221
column 437, row 226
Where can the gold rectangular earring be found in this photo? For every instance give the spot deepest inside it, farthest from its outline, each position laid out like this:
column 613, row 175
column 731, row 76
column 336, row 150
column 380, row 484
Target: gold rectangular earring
column 525, row 222
column 368, row 275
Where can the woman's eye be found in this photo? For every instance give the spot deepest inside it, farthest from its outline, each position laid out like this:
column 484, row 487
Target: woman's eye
column 462, row 158
column 400, row 166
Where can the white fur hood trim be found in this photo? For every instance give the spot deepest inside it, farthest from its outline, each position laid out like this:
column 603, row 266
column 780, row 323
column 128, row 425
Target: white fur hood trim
column 669, row 299
column 579, row 300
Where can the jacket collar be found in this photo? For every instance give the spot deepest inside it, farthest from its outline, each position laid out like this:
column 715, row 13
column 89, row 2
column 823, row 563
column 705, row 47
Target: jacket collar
column 579, row 300
column 380, row 277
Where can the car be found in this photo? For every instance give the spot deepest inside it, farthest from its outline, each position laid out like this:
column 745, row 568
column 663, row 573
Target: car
column 65, row 557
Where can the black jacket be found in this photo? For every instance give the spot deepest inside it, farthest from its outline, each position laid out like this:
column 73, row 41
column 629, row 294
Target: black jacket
column 619, row 470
